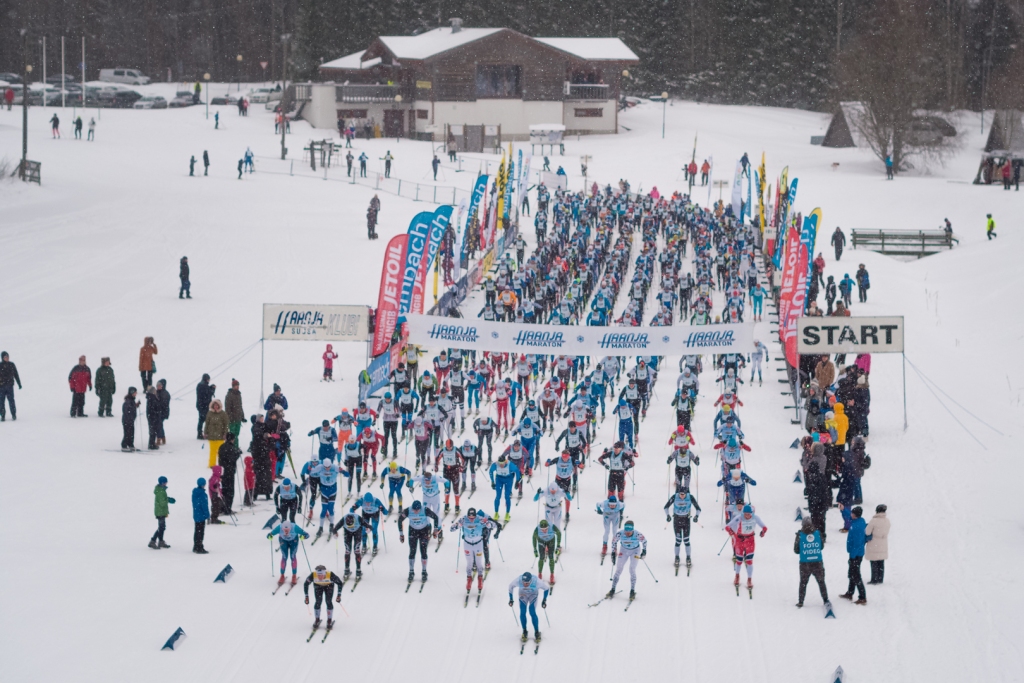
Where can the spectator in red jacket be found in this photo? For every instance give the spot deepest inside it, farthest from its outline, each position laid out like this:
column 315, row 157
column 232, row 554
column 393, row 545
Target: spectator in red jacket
column 80, row 381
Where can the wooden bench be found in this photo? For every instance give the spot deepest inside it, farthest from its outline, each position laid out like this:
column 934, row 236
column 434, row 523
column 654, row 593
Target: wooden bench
column 903, row 242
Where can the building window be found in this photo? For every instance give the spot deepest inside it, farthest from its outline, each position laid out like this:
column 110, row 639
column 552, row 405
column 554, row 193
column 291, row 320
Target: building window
column 422, row 114
column 589, row 113
column 352, row 113
column 500, row 81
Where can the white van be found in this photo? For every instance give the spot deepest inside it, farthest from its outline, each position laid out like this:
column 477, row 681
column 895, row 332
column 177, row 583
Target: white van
column 130, row 76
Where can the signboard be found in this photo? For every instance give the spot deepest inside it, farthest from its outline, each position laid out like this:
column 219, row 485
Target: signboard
column 578, row 340
column 315, row 322
column 850, row 335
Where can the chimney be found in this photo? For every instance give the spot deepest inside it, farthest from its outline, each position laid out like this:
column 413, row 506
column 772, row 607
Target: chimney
column 456, row 24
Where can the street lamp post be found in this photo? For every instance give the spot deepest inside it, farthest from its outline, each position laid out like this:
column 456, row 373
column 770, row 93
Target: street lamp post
column 206, row 77
column 285, row 37
column 664, row 107
column 398, row 104
column 26, row 70
column 238, row 72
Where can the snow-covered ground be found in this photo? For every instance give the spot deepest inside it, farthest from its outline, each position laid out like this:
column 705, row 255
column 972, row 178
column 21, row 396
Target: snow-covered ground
column 89, row 266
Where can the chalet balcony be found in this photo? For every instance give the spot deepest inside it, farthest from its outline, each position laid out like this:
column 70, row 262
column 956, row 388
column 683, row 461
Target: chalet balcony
column 366, row 94
column 586, row 91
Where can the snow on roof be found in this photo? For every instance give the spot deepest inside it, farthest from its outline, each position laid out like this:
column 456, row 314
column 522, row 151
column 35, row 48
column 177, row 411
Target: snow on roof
column 540, row 127
column 434, row 42
column 347, row 62
column 592, row 48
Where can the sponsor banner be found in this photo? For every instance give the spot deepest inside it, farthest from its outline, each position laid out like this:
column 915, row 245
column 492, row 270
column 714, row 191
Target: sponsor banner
column 315, row 322
column 457, row 244
column 381, row 367
column 576, row 340
column 737, row 192
column 419, row 230
column 390, row 291
column 808, row 237
column 850, row 335
column 479, row 192
column 438, row 224
column 788, row 311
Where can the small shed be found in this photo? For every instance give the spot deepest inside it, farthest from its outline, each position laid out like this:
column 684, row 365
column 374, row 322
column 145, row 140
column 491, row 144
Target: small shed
column 1007, row 132
column 838, row 134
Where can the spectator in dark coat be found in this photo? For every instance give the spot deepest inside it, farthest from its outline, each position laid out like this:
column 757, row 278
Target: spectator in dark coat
column 274, row 400
column 260, row 449
column 129, row 410
column 165, row 409
column 848, row 482
column 8, row 376
column 838, row 241
column 819, row 497
column 153, row 416
column 183, row 275
column 860, row 462
column 204, row 394
column 105, row 387
column 861, row 393
column 200, row 513
column 227, row 458
column 233, row 407
column 80, row 381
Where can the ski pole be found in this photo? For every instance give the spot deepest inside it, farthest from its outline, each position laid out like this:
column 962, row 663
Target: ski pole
column 457, row 554
column 545, row 610
column 723, row 546
column 514, row 615
column 384, row 535
column 500, row 554
column 649, row 569
column 305, row 555
column 271, row 556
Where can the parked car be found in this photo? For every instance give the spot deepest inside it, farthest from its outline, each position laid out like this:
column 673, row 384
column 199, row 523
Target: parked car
column 181, row 99
column 121, row 75
column 263, row 95
column 10, row 77
column 55, row 80
column 225, row 99
column 151, row 102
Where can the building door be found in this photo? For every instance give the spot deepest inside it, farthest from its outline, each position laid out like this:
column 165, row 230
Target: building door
column 394, row 120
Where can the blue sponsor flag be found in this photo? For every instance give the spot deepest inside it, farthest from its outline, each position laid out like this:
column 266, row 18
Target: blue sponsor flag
column 479, row 189
column 224, row 575
column 419, row 230
column 270, row 523
column 380, row 372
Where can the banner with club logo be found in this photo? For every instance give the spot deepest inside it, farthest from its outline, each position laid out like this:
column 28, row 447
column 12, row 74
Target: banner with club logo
column 315, row 322
column 576, row 340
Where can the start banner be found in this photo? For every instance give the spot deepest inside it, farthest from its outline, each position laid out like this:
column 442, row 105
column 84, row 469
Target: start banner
column 576, row 340
column 850, row 335
column 315, row 322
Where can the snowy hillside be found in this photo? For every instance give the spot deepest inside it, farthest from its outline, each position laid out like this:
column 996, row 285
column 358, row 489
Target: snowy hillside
column 89, row 266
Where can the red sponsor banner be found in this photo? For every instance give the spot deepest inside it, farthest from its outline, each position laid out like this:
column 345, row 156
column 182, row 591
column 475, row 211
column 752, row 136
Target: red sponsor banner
column 793, row 292
column 390, row 292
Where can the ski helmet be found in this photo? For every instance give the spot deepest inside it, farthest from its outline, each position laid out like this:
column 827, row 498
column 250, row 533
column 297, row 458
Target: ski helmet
column 448, row 443
column 680, row 429
column 527, row 576
column 287, row 482
column 527, row 421
column 387, row 395
column 393, row 466
column 747, row 510
column 326, row 423
column 417, row 505
column 367, row 497
column 613, row 499
column 467, row 443
column 326, row 462
column 543, row 523
column 471, row 512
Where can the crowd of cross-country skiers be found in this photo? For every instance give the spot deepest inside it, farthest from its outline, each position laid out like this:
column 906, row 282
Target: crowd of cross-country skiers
column 608, row 258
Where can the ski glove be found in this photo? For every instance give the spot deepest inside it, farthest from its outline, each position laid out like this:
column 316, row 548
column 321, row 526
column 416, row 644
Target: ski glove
column 643, row 554
column 307, row 599
column 764, row 531
column 510, row 603
column 401, row 538
column 696, row 519
column 543, row 604
column 338, row 599
column 668, row 518
column 171, row 501
column 382, row 486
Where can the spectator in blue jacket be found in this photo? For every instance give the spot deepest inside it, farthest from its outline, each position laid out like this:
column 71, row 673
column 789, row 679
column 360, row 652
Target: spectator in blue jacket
column 855, row 542
column 201, row 513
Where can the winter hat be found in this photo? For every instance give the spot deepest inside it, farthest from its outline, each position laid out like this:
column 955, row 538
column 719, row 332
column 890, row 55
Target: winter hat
column 163, row 481
column 277, row 387
column 808, row 526
column 857, row 512
column 747, row 510
column 879, row 509
column 200, row 482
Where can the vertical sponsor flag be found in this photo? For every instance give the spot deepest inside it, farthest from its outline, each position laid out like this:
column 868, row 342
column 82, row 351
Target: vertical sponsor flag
column 760, row 192
column 737, row 193
column 711, row 175
column 794, row 288
column 390, row 293
column 419, row 230
column 808, row 237
column 502, row 181
column 438, row 224
column 457, row 243
column 479, row 192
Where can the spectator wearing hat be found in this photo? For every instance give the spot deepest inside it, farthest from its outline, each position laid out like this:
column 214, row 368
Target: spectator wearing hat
column 160, row 503
column 233, row 407
column 80, row 381
column 855, row 542
column 105, row 387
column 204, row 396
column 275, row 399
column 877, row 548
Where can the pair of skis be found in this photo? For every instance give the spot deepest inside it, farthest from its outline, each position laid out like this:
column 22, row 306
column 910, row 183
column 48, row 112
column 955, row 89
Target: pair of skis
column 291, row 585
column 316, row 627
column 525, row 639
column 423, row 582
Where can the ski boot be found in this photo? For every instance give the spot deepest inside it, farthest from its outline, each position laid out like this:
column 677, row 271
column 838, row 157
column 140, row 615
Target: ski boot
column 316, row 623
column 688, row 563
column 604, row 548
column 611, row 593
column 359, row 574
column 160, row 544
column 487, row 566
column 750, row 583
column 390, row 509
column 676, row 565
column 330, row 624
column 423, row 575
column 447, row 508
column 412, row 575
column 736, row 581
column 632, row 594
column 346, row 575
column 536, row 636
column 800, row 604
column 552, row 581
column 566, row 515
column 319, row 533
column 508, row 516
column 526, row 635
column 374, row 550
column 280, row 581
column 456, row 510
